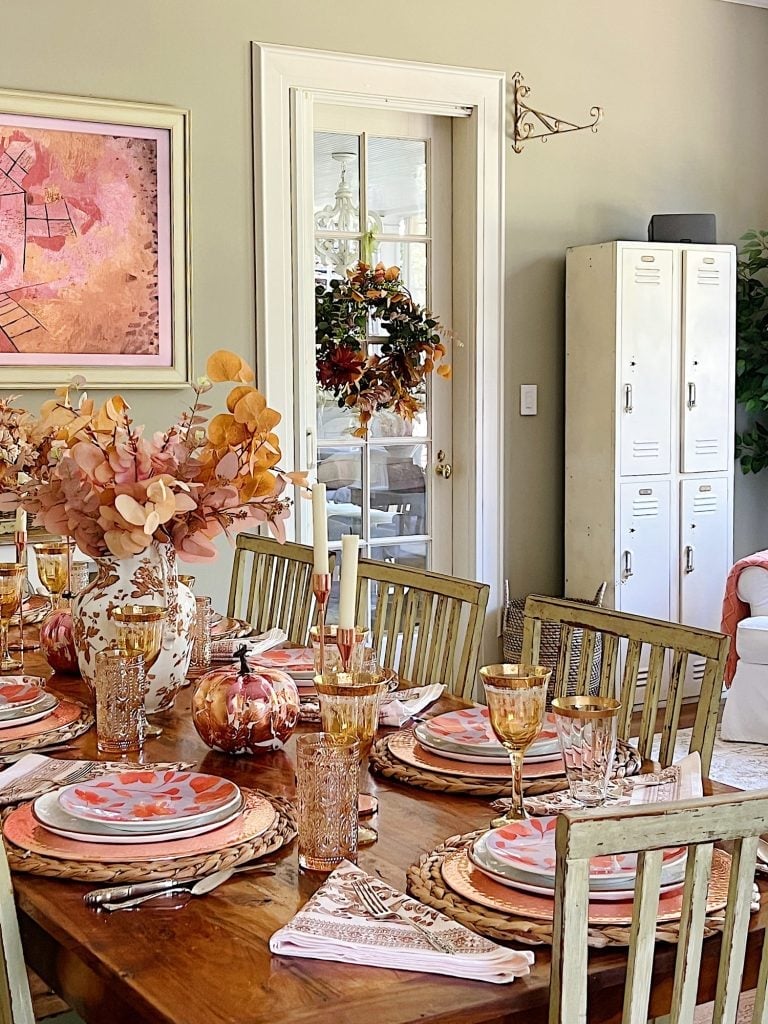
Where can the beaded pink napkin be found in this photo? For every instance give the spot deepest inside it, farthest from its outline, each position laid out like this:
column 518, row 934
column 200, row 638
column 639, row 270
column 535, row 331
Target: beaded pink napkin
column 334, row 925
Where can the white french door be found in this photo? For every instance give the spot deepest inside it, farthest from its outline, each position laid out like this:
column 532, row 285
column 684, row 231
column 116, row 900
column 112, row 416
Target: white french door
column 382, row 192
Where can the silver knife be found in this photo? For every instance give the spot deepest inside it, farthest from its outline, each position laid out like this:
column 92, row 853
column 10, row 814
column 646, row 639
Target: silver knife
column 205, row 885
column 118, row 893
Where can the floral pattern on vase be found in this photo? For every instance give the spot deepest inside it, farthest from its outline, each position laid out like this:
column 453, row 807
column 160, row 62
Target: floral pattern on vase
column 147, row 578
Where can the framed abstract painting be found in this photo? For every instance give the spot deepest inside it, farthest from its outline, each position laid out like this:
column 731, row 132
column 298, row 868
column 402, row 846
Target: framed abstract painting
column 94, row 242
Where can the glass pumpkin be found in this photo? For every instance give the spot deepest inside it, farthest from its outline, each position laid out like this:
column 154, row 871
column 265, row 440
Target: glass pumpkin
column 243, row 710
column 57, row 641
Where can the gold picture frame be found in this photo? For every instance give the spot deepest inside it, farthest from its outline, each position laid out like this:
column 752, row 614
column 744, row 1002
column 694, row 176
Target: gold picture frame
column 94, row 242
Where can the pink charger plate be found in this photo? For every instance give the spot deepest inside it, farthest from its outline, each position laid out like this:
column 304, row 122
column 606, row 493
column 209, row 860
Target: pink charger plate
column 65, row 713
column 21, row 829
column 463, row 877
column 16, row 691
column 147, row 796
column 471, row 727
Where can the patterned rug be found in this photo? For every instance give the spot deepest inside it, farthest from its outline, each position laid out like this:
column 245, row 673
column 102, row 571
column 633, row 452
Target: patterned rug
column 737, row 764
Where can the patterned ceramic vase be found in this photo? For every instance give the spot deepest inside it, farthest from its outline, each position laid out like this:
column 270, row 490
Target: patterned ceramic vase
column 148, row 578
column 57, row 641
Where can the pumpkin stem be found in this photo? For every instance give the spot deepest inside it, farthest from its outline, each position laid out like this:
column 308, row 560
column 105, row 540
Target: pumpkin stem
column 241, row 654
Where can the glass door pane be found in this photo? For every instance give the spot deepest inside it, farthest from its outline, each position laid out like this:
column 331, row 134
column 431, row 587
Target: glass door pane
column 380, row 486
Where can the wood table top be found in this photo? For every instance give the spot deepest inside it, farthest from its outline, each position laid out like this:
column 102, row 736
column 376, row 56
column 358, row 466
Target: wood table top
column 209, row 961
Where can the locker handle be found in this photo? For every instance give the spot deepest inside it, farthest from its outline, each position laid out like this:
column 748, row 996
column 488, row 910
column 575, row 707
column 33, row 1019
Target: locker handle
column 627, row 569
column 689, row 566
column 627, row 398
column 691, row 394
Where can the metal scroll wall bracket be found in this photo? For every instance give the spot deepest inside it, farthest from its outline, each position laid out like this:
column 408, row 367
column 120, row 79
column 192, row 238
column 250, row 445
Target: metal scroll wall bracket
column 524, row 123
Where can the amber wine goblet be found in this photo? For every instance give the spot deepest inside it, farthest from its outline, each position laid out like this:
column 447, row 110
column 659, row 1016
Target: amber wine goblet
column 516, row 696
column 11, row 579
column 53, row 561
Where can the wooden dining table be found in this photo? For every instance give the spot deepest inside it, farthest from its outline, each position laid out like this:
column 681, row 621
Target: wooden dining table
column 209, row 961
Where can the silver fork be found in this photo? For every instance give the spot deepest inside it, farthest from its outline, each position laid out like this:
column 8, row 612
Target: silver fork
column 377, row 908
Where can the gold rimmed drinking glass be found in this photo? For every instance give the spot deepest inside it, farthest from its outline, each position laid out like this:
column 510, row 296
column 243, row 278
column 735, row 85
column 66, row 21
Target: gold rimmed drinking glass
column 140, row 631
column 587, row 728
column 516, row 696
column 351, row 710
column 53, row 561
column 187, row 580
column 11, row 581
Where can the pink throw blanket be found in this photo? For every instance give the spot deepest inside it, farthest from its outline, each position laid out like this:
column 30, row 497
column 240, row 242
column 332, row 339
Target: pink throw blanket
column 734, row 609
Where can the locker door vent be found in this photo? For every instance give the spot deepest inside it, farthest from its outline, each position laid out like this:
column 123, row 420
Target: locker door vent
column 708, row 276
column 704, row 503
column 647, row 275
column 645, row 506
column 707, row 446
column 645, row 449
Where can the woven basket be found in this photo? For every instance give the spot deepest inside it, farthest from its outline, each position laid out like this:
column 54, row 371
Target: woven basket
column 549, row 649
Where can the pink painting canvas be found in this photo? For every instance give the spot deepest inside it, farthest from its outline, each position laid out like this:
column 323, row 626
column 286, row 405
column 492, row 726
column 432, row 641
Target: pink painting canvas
column 85, row 262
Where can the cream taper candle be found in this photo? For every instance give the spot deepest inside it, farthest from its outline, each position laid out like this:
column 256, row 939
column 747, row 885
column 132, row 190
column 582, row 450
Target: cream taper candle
column 349, row 548
column 21, row 521
column 319, row 528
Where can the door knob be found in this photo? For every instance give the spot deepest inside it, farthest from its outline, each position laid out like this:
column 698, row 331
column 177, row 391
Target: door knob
column 443, row 468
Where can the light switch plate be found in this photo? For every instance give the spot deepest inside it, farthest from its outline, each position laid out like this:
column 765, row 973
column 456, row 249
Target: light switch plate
column 529, row 399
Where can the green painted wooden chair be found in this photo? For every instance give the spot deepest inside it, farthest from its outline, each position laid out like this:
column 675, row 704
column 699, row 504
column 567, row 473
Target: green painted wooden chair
column 669, row 647
column 271, row 585
column 426, row 626
column 648, row 830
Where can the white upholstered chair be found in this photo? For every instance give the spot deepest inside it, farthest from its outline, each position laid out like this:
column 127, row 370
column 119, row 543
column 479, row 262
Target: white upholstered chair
column 15, row 998
column 745, row 717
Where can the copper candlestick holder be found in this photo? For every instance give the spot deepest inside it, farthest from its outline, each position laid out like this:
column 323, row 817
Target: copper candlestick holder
column 346, row 641
column 321, row 588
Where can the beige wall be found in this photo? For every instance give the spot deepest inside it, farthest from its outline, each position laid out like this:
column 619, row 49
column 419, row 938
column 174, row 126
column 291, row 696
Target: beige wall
column 682, row 82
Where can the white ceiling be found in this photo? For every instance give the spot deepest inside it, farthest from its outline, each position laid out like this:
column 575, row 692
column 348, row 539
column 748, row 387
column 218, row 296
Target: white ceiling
column 752, row 3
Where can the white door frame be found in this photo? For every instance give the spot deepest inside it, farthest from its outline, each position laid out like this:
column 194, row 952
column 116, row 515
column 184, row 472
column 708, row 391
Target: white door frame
column 281, row 74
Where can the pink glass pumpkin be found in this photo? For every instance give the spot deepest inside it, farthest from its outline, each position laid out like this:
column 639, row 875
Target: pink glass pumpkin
column 242, row 710
column 57, row 641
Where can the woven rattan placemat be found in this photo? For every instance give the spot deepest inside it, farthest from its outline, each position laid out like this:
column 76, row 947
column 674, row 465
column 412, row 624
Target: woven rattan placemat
column 279, row 834
column 51, row 737
column 425, row 882
column 384, row 763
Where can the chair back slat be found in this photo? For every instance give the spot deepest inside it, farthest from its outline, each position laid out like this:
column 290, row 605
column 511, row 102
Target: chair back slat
column 693, row 915
column 563, row 670
column 760, row 1011
column 648, row 831
column 734, row 941
column 651, row 699
column 607, row 685
column 637, row 987
column 585, row 662
column 271, row 585
column 426, row 626
column 674, row 706
column 670, row 646
column 15, row 998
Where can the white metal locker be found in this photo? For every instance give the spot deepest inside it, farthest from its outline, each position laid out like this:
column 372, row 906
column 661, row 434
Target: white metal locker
column 704, row 550
column 644, row 578
column 706, row 360
column 646, row 361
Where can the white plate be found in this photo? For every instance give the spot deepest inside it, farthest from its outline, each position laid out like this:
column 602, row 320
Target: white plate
column 47, row 811
column 672, row 872
column 601, row 895
column 486, row 751
column 19, row 719
column 45, row 702
column 452, row 755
